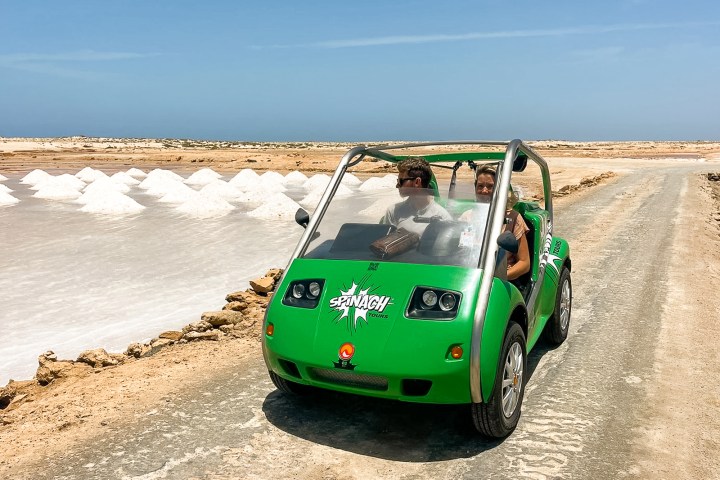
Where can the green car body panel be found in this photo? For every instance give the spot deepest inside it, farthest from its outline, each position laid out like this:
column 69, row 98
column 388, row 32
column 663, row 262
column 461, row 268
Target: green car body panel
column 367, row 303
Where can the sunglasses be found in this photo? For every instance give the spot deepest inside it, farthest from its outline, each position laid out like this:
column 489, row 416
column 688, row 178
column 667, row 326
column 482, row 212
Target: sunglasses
column 402, row 180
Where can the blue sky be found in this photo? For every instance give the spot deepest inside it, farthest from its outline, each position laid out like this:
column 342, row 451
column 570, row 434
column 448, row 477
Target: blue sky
column 361, row 71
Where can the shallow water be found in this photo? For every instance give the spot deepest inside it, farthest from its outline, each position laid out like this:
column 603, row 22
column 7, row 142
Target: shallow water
column 72, row 280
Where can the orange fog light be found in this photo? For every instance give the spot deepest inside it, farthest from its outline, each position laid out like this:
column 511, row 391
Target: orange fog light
column 270, row 329
column 456, row 352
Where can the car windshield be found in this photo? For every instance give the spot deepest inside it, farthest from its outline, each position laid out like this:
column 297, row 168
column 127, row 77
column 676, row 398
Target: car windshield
column 380, row 221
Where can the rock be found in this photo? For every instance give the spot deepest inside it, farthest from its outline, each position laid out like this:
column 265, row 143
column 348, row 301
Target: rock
column 171, row 335
column 275, row 274
column 50, row 368
column 237, row 306
column 200, row 326
column 262, row 285
column 248, row 297
column 99, row 358
column 564, row 188
column 158, row 344
column 223, row 317
column 190, row 336
column 137, row 350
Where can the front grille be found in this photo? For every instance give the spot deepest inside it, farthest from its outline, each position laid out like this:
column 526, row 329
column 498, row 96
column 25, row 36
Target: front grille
column 350, row 379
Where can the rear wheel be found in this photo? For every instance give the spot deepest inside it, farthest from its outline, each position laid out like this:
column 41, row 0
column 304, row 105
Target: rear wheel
column 499, row 416
column 287, row 386
column 556, row 329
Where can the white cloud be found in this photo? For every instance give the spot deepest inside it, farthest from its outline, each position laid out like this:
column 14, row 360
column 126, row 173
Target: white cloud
column 556, row 32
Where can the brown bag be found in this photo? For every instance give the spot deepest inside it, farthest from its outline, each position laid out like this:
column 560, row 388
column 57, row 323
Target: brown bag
column 394, row 243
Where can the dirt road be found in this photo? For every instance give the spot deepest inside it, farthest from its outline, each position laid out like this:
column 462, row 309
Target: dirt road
column 630, row 394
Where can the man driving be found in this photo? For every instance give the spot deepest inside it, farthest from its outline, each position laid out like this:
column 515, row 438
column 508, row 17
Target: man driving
column 414, row 174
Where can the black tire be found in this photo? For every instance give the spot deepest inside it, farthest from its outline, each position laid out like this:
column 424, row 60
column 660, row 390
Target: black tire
column 490, row 418
column 286, row 386
column 556, row 329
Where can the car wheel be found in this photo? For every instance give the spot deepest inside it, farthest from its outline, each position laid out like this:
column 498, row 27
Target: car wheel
column 287, row 386
column 499, row 416
column 556, row 329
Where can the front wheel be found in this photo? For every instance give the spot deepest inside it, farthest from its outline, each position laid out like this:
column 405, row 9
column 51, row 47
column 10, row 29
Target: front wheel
column 287, row 386
column 556, row 329
column 499, row 416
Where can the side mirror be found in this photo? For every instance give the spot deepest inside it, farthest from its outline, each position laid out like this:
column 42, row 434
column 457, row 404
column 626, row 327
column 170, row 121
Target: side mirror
column 520, row 162
column 302, row 217
column 507, row 241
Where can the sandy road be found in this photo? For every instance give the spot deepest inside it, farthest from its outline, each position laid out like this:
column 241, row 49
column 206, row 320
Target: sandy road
column 603, row 405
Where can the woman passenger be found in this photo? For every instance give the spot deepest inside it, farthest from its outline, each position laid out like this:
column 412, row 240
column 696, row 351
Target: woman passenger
column 518, row 263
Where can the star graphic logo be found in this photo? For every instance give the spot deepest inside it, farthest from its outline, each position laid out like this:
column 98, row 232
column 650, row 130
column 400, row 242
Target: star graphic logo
column 354, row 304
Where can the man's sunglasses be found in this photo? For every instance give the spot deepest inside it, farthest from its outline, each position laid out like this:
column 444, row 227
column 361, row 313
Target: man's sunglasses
column 402, row 180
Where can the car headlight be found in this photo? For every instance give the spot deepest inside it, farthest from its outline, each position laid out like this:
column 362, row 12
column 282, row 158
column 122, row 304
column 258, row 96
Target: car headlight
column 303, row 293
column 433, row 303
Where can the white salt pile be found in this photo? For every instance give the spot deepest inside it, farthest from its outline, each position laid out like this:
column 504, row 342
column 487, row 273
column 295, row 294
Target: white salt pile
column 278, row 206
column 2, row 177
column 34, row 177
column 112, row 203
column 124, row 178
column 181, row 194
column 106, row 183
column 220, row 189
column 313, row 198
column 272, row 184
column 7, row 199
column 89, row 175
column 378, row 208
column 375, row 183
column 319, row 180
column 65, row 180
column 204, row 206
column 295, row 178
column 273, row 177
column 136, row 173
column 350, row 179
column 245, row 178
column 5, row 188
column 161, row 173
column 203, row 177
column 57, row 192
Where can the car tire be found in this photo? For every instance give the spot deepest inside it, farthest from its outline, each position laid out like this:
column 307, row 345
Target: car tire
column 499, row 416
column 286, row 386
column 556, row 329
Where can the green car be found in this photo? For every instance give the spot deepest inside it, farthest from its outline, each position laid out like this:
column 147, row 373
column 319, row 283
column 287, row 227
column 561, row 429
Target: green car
column 426, row 315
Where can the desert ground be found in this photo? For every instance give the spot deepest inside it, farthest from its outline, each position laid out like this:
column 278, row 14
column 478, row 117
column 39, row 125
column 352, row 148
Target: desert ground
column 673, row 435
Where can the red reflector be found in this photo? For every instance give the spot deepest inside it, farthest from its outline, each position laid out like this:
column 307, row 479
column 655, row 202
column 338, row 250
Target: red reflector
column 347, row 350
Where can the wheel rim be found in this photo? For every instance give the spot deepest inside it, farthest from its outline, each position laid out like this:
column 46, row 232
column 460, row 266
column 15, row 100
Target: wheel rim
column 565, row 300
column 512, row 379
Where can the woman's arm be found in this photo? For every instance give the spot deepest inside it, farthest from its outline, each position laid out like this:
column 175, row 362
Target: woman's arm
column 522, row 266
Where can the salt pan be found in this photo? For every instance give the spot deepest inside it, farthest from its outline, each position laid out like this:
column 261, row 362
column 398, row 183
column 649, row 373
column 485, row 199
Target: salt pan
column 313, row 198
